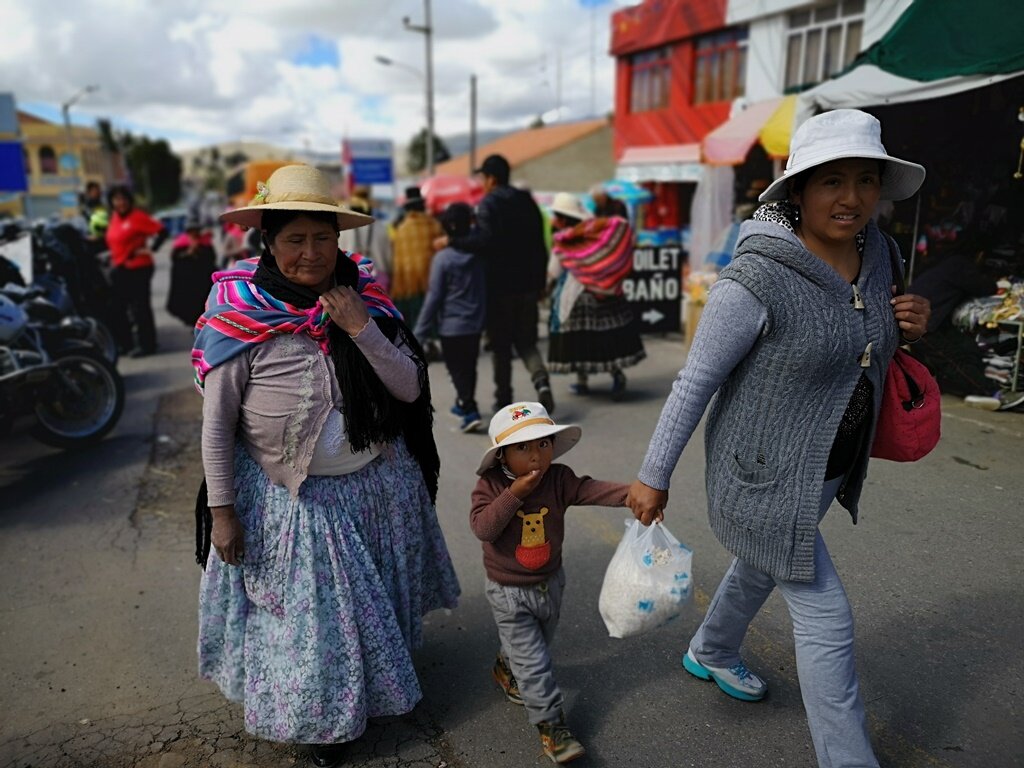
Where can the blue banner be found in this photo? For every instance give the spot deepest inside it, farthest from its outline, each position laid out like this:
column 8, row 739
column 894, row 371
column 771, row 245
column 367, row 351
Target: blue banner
column 13, row 177
column 372, row 170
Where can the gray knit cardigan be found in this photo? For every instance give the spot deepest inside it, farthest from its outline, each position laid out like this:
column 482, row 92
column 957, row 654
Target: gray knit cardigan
column 774, row 420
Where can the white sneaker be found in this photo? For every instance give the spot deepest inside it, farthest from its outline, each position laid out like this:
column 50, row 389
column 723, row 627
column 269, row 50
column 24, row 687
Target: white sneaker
column 737, row 681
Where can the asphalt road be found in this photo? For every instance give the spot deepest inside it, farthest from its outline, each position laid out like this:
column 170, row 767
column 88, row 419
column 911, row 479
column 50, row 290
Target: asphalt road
column 98, row 606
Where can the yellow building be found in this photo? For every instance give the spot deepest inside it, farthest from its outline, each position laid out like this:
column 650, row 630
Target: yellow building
column 59, row 169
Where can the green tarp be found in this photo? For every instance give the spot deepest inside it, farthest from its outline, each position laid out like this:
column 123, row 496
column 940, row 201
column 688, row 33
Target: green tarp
column 934, row 39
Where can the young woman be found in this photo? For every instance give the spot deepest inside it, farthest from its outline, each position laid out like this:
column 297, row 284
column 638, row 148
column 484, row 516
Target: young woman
column 795, row 339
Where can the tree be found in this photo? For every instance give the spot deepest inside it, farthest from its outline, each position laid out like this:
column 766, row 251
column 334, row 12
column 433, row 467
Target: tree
column 155, row 171
column 416, row 156
column 108, row 141
column 538, row 122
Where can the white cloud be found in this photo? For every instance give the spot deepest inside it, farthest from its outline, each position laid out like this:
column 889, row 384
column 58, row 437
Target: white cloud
column 200, row 71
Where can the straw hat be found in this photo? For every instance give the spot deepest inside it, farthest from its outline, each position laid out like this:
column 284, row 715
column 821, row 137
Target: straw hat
column 294, row 188
column 569, row 205
column 522, row 422
column 841, row 134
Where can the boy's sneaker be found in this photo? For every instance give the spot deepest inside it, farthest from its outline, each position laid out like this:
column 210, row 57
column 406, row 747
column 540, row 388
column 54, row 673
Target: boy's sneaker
column 470, row 422
column 558, row 742
column 737, row 681
column 506, row 680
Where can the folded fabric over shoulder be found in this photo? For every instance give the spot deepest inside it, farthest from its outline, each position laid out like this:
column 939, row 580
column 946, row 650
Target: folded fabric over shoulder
column 597, row 252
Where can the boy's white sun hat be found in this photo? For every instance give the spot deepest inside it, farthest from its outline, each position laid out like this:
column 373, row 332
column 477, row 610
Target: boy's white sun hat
column 841, row 134
column 522, row 422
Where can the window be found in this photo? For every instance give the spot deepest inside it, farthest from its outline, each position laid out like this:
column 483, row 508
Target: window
column 650, row 79
column 47, row 160
column 720, row 66
column 822, row 41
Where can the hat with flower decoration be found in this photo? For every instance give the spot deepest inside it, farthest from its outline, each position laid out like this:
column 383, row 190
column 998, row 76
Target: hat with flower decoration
column 295, row 188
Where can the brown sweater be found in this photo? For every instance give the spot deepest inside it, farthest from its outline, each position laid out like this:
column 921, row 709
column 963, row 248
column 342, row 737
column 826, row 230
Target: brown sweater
column 522, row 538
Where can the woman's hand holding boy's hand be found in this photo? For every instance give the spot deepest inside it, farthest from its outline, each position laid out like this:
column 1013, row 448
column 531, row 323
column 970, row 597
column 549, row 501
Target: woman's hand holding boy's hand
column 524, row 485
column 647, row 504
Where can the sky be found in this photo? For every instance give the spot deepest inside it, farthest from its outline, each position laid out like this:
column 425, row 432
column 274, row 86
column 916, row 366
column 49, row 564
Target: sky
column 302, row 73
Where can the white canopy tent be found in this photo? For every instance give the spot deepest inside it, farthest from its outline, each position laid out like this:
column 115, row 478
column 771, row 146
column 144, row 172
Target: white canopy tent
column 869, row 86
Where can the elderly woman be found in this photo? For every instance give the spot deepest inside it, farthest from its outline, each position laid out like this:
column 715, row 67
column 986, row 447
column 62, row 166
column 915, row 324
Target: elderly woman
column 593, row 330
column 131, row 258
column 795, row 339
column 321, row 472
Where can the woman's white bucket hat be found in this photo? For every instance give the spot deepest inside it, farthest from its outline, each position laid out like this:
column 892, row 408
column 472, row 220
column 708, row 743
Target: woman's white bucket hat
column 522, row 422
column 569, row 205
column 295, row 188
column 840, row 134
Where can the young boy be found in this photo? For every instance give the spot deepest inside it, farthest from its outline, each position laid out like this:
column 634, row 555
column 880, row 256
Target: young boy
column 518, row 513
column 455, row 302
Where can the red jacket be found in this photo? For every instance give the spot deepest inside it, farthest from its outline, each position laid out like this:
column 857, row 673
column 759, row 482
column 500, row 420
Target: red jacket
column 127, row 236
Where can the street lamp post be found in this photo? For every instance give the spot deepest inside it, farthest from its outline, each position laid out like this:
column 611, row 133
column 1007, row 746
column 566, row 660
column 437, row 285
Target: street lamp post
column 427, row 31
column 65, row 109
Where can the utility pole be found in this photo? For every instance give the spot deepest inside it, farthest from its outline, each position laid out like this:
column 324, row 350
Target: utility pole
column 472, row 123
column 593, row 61
column 65, row 109
column 427, row 31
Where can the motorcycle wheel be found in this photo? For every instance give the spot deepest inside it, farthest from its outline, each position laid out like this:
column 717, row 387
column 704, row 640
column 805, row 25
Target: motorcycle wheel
column 81, row 403
column 101, row 338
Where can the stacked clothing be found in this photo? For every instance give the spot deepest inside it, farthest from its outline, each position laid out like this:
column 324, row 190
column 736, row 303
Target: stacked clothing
column 996, row 320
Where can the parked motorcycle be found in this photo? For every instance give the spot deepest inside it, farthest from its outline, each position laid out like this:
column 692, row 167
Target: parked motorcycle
column 50, row 369
column 68, row 266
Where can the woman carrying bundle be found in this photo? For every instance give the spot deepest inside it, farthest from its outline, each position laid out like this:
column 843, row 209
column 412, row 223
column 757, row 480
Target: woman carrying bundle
column 592, row 327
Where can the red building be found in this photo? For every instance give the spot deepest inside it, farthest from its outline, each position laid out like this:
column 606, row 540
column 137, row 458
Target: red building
column 678, row 69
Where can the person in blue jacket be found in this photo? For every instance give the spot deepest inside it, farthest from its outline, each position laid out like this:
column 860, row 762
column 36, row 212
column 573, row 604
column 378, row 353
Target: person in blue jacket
column 455, row 305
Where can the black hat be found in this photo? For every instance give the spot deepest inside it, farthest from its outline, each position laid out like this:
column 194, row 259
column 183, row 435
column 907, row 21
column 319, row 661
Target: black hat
column 494, row 165
column 414, row 200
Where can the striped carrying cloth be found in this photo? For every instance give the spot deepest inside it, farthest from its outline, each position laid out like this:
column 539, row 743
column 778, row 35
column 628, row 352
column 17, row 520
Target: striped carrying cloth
column 597, row 252
column 239, row 313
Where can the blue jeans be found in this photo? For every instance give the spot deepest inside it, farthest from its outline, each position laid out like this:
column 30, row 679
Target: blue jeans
column 823, row 634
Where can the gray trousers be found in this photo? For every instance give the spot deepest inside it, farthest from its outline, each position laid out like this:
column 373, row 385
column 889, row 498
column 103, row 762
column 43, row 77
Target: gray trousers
column 823, row 635
column 526, row 619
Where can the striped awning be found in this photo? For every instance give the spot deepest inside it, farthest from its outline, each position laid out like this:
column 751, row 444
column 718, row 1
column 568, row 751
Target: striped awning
column 667, row 162
column 769, row 121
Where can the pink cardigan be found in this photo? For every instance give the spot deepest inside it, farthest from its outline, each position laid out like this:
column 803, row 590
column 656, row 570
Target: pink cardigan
column 277, row 397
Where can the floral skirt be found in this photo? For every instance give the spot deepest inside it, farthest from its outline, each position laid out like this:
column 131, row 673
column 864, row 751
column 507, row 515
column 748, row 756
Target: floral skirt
column 314, row 633
column 600, row 335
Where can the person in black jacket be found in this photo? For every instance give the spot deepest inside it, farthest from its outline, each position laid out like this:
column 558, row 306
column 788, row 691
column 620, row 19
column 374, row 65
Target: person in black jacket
column 509, row 234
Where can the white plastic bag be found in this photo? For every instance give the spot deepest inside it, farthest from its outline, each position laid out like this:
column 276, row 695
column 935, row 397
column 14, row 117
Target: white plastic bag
column 647, row 582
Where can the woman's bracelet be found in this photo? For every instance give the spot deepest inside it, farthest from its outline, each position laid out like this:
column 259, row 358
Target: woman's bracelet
column 905, row 340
